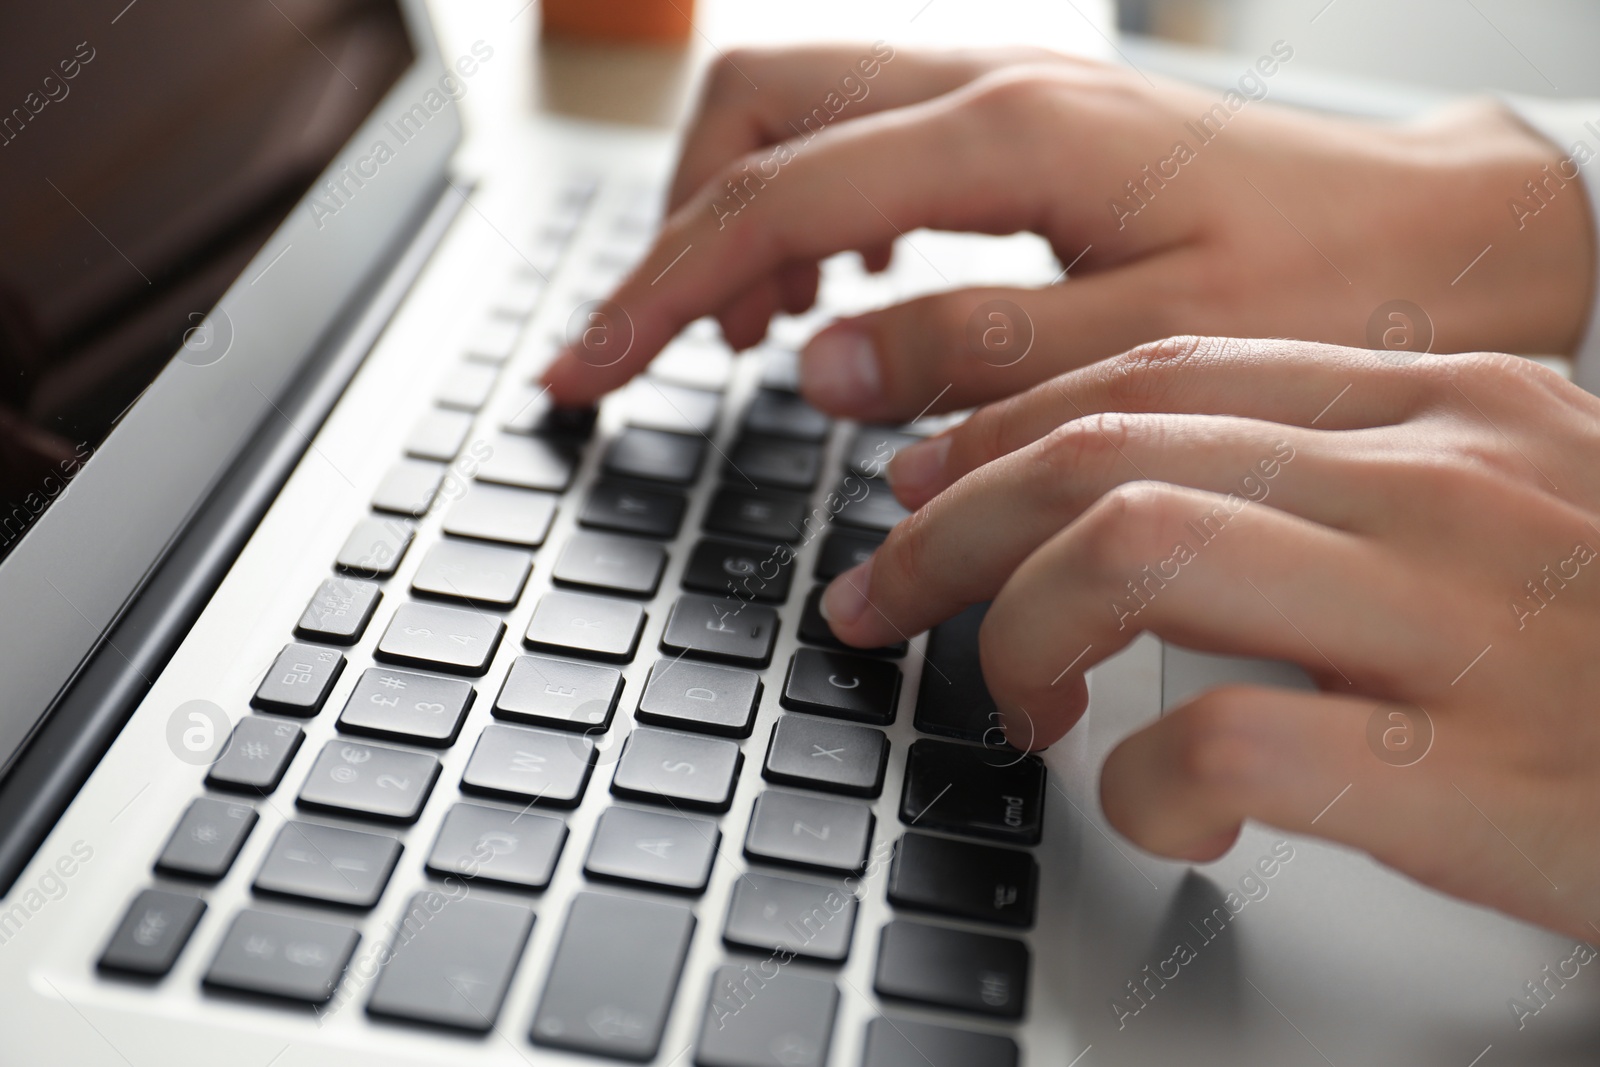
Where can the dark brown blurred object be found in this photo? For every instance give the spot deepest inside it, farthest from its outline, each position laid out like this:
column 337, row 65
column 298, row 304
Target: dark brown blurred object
column 660, row 21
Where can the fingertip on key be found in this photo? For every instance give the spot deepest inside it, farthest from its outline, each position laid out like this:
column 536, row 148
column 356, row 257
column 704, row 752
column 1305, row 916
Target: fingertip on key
column 846, row 597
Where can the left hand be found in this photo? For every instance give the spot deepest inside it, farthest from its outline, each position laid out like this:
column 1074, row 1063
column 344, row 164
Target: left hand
column 1420, row 537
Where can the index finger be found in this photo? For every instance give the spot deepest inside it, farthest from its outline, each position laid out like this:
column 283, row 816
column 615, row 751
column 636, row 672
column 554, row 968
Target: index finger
column 849, row 186
column 755, row 97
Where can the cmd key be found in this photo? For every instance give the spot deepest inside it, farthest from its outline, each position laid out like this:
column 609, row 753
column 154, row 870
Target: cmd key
column 979, row 792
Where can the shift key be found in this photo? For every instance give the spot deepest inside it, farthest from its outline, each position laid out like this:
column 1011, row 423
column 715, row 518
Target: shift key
column 616, row 969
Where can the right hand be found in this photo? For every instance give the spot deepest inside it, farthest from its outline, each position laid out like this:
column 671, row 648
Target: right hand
column 1284, row 223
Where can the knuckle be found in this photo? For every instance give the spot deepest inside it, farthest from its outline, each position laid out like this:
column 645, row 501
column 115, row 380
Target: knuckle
column 1012, row 98
column 1128, row 527
column 1085, row 444
column 1141, row 378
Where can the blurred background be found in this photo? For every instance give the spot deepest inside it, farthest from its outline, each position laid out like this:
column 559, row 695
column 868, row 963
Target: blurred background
column 1540, row 47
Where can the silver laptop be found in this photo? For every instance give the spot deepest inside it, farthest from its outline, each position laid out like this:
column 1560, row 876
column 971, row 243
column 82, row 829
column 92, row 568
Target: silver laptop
column 361, row 708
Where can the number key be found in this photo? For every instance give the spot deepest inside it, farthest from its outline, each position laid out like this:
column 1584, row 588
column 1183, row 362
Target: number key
column 385, row 783
column 421, row 708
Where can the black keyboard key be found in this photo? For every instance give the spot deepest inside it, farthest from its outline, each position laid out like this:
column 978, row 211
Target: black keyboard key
column 258, row 752
column 284, row 956
column 628, row 565
column 778, row 413
column 439, row 435
column 590, row 626
column 869, row 505
column 502, row 513
column 328, row 863
column 590, row 1004
column 682, row 770
column 626, row 508
column 758, row 515
column 873, row 447
column 963, row 789
column 421, row 708
column 715, row 628
column 452, row 962
column 653, row 848
column 560, row 693
column 430, row 636
column 515, row 848
column 152, row 933
column 774, row 914
column 842, row 686
column 753, row 1020
column 654, row 405
column 529, row 463
column 774, row 464
column 741, row 570
column 207, row 839
column 375, row 547
column 809, row 831
column 537, row 414
column 482, row 575
column 655, row 456
column 963, row 880
column 903, row 1043
column 371, row 780
column 954, row 969
column 814, row 630
column 408, row 487
column 339, row 611
column 843, row 549
column 836, row 757
column 539, row 766
column 953, row 700
column 698, row 696
column 299, row 680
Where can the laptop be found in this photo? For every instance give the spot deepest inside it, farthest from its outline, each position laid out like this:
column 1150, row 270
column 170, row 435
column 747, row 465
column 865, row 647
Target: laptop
column 362, row 708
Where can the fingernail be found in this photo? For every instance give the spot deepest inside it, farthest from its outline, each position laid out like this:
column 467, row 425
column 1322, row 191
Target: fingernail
column 839, row 369
column 919, row 468
column 846, row 598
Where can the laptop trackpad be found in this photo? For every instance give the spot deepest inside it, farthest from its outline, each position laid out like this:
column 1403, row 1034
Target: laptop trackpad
column 1185, row 674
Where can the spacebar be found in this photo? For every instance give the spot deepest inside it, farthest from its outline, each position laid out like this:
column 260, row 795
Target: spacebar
column 616, row 969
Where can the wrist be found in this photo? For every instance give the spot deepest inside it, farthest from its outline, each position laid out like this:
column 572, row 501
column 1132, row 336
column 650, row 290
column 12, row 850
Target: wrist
column 1508, row 236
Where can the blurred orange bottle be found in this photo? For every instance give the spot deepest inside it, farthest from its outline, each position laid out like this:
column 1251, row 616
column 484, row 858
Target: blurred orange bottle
column 656, row 21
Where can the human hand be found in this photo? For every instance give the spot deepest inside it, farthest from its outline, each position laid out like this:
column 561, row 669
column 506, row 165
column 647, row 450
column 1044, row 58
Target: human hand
column 1419, row 537
column 1280, row 223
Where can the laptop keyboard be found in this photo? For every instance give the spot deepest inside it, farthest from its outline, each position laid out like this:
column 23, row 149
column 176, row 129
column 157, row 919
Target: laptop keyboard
column 678, row 746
